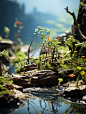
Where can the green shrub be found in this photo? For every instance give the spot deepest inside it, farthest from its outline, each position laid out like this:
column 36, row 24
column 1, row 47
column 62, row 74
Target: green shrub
column 20, row 56
column 4, row 90
column 2, row 80
column 20, row 66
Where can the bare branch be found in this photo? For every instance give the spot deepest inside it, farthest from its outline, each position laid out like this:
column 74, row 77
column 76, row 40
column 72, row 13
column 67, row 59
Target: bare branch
column 76, row 24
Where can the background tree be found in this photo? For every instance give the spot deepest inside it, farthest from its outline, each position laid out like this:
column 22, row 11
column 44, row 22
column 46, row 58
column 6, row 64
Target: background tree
column 79, row 26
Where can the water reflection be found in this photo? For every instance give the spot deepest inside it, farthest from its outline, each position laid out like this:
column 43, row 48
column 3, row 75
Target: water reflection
column 59, row 106
column 41, row 106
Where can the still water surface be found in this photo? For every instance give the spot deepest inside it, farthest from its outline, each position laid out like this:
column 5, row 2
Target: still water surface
column 59, row 105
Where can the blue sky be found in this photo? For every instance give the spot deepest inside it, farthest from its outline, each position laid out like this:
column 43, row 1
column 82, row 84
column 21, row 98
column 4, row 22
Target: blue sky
column 49, row 6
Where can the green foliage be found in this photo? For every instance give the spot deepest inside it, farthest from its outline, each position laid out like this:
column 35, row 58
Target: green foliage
column 32, row 60
column 42, row 32
column 2, row 80
column 81, row 3
column 20, row 56
column 39, row 63
column 67, row 54
column 78, row 67
column 77, row 81
column 5, row 54
column 70, row 41
column 4, row 90
column 7, row 31
column 20, row 66
column 60, row 80
column 79, row 44
column 10, row 81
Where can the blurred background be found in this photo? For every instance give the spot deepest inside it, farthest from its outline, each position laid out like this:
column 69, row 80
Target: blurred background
column 32, row 13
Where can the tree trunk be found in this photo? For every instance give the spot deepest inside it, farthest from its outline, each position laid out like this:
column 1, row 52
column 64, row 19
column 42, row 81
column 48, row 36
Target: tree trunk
column 79, row 26
column 80, row 31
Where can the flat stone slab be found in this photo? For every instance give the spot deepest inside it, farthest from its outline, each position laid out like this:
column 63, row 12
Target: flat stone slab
column 37, row 78
column 17, row 76
column 74, row 91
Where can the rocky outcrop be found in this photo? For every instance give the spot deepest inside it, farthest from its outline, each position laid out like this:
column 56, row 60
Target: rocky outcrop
column 37, row 78
column 6, row 44
column 17, row 95
column 8, row 99
column 13, row 86
column 75, row 91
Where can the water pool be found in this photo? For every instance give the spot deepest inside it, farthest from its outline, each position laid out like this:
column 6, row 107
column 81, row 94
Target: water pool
column 46, row 102
column 42, row 106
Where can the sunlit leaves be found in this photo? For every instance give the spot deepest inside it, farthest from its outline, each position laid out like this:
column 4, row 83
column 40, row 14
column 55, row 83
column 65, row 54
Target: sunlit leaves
column 79, row 44
column 82, row 73
column 81, row 3
column 6, row 29
column 5, row 54
column 20, row 66
column 78, row 67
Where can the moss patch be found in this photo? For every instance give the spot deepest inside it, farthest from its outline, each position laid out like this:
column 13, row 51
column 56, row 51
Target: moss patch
column 4, row 90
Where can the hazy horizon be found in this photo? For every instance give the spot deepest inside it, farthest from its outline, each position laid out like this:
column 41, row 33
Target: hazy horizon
column 48, row 6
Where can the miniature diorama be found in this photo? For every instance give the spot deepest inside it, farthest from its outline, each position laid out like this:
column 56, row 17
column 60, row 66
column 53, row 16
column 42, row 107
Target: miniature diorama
column 59, row 70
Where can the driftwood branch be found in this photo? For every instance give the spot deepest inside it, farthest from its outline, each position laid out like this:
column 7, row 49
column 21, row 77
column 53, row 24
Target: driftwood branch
column 76, row 24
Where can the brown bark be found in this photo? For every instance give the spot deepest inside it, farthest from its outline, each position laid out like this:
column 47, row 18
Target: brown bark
column 81, row 35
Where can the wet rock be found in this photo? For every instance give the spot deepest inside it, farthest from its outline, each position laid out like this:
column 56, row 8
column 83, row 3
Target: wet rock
column 21, row 95
column 20, row 88
column 34, row 81
column 84, row 98
column 8, row 99
column 5, row 44
column 72, row 90
column 49, row 80
column 9, row 86
column 13, row 86
column 37, row 78
column 32, row 89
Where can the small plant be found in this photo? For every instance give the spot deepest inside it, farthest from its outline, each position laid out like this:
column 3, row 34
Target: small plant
column 60, row 80
column 5, row 54
column 77, row 81
column 39, row 31
column 20, row 66
column 7, row 31
column 39, row 64
column 70, row 42
column 20, row 56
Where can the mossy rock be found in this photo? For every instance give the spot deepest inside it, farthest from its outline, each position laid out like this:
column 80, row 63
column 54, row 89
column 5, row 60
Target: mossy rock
column 4, row 90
